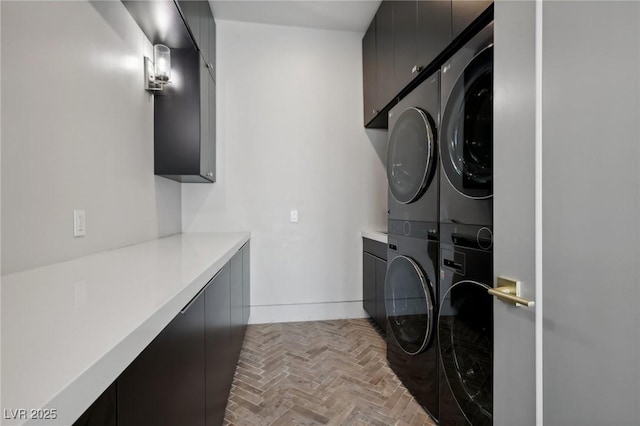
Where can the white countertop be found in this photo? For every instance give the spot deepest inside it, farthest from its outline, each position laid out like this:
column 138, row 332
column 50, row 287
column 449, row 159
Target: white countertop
column 70, row 329
column 380, row 236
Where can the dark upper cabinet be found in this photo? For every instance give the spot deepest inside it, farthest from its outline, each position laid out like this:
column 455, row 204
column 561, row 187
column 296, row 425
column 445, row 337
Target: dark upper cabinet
column 405, row 42
column 421, row 31
column 464, row 12
column 369, row 83
column 199, row 19
column 219, row 364
column 190, row 11
column 165, row 384
column 184, row 122
column 184, row 114
column 433, row 31
column 403, row 39
column 384, row 55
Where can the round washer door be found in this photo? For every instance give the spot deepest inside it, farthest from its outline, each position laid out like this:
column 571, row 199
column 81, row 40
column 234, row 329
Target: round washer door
column 465, row 337
column 409, row 304
column 410, row 156
column 466, row 141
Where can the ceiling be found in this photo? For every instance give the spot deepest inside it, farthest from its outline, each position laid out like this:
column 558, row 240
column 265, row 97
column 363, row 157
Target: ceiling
column 342, row 15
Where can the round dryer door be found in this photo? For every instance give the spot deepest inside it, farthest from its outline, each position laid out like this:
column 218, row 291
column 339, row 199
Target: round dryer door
column 409, row 305
column 467, row 129
column 465, row 337
column 410, row 157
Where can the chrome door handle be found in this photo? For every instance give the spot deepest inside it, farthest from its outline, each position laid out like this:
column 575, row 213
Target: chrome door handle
column 508, row 291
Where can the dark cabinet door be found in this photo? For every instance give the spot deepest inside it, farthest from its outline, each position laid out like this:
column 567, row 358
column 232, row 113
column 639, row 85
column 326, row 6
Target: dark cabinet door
column 209, row 47
column 237, row 315
column 464, row 12
column 421, row 31
column 405, row 26
column 191, row 14
column 218, row 376
column 384, row 55
column 246, row 283
column 369, row 83
column 381, row 312
column 433, row 31
column 165, row 385
column 207, row 123
column 369, row 284
column 184, row 122
column 102, row 412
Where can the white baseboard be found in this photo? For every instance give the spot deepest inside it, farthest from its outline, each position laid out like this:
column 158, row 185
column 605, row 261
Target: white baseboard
column 306, row 312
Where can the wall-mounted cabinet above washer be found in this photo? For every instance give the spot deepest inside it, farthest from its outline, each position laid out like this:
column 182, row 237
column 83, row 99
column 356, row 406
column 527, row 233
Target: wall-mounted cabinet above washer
column 185, row 113
column 464, row 12
column 405, row 43
column 402, row 40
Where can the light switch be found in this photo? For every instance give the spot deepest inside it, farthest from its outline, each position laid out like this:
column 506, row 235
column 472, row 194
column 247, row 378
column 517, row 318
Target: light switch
column 79, row 223
column 294, row 216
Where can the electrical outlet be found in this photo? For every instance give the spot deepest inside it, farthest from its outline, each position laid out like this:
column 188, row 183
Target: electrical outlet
column 79, row 223
column 294, row 216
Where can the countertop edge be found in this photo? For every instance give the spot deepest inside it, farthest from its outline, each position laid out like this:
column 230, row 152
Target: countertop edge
column 379, row 236
column 83, row 390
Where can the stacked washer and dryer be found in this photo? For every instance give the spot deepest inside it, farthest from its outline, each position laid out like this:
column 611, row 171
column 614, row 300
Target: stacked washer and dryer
column 440, row 259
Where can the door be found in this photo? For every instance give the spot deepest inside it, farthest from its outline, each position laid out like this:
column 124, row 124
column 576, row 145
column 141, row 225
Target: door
column 409, row 304
column 466, row 143
column 165, row 384
column 411, row 155
column 218, row 357
column 514, row 211
column 369, row 82
column 591, row 221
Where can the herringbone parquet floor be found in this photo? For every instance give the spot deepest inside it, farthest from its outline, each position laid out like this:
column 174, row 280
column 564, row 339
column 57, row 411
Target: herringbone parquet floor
column 323, row 372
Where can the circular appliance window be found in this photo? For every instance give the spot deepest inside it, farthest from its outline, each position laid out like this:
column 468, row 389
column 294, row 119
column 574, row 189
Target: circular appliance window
column 465, row 337
column 467, row 129
column 409, row 305
column 410, row 155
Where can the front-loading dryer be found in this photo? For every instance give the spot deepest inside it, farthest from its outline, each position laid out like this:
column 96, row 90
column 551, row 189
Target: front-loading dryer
column 412, row 159
column 411, row 302
column 466, row 133
column 465, row 326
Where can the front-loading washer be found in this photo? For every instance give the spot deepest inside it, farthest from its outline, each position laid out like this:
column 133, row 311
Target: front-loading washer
column 411, row 302
column 465, row 326
column 412, row 154
column 466, row 133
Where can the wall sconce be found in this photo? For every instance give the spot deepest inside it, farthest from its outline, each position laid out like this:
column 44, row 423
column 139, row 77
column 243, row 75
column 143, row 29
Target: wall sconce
column 157, row 73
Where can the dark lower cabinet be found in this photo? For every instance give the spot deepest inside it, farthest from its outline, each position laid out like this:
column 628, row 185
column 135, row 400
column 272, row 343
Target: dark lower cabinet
column 185, row 374
column 237, row 315
column 102, row 412
column 219, row 363
column 374, row 271
column 246, row 279
column 165, row 385
column 369, row 293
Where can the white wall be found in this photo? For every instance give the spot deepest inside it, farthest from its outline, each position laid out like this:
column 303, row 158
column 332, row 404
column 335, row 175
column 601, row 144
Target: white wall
column 77, row 134
column 290, row 135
